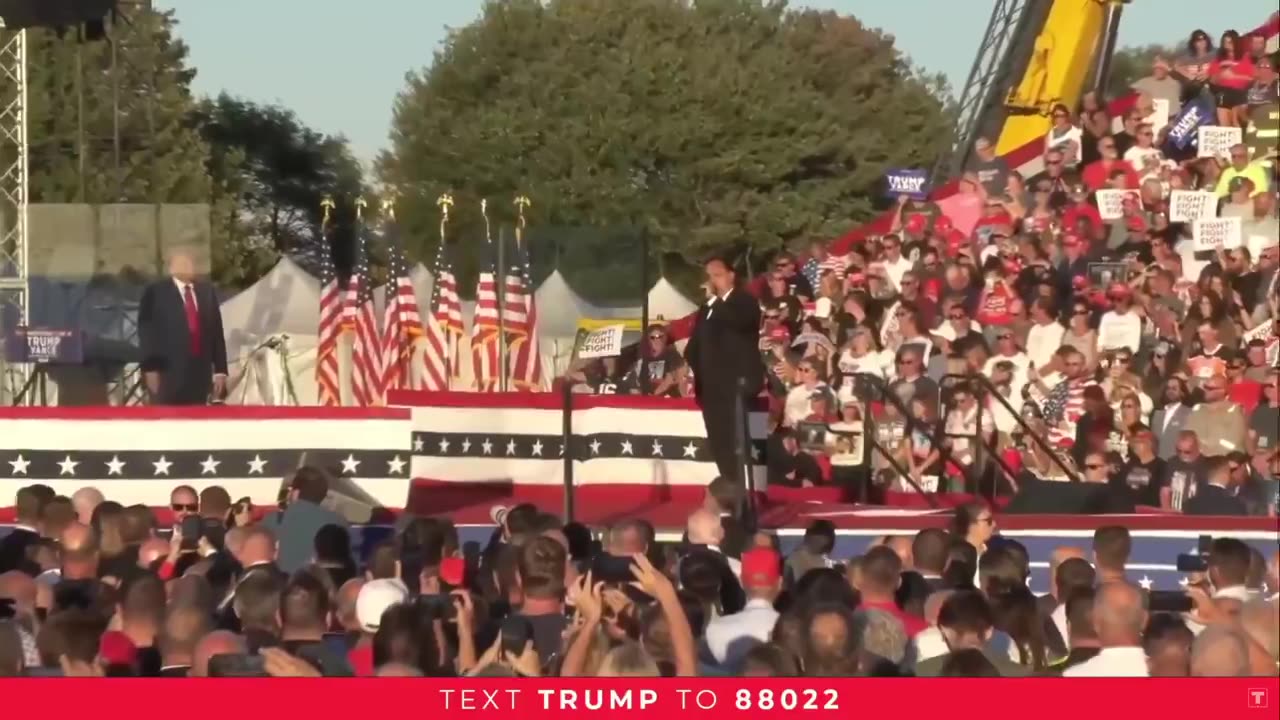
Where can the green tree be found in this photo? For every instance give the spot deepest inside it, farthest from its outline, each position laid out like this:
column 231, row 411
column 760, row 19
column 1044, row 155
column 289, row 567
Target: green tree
column 111, row 125
column 273, row 172
column 1128, row 65
column 710, row 123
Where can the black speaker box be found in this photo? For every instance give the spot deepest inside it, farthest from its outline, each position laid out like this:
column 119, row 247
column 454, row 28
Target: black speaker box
column 1043, row 497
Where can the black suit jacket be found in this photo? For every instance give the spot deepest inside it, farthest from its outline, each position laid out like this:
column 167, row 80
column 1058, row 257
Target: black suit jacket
column 725, row 346
column 162, row 329
column 13, row 552
column 1214, row 500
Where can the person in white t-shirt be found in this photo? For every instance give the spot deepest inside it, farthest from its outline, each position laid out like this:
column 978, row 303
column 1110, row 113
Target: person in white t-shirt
column 1121, row 326
column 1119, row 617
column 1045, row 335
column 895, row 265
column 1144, row 157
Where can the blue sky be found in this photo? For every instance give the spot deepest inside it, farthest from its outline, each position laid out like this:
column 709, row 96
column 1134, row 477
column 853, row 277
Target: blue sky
column 339, row 65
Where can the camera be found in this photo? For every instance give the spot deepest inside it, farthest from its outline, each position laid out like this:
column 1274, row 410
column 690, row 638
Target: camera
column 1198, row 561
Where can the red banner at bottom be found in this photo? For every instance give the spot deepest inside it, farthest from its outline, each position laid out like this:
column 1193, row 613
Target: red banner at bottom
column 703, row 698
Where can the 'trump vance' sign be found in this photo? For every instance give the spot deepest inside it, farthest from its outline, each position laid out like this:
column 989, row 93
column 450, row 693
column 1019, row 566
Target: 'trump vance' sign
column 44, row 345
column 912, row 183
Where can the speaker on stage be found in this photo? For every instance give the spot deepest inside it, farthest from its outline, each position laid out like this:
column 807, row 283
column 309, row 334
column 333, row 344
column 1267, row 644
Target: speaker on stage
column 1044, row 497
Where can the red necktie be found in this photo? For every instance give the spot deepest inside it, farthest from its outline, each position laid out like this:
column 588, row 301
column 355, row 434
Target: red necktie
column 193, row 319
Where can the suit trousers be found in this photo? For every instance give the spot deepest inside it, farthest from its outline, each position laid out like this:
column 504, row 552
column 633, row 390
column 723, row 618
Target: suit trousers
column 724, row 417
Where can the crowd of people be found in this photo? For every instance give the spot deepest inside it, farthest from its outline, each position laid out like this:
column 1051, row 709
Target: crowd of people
column 1045, row 342
column 91, row 588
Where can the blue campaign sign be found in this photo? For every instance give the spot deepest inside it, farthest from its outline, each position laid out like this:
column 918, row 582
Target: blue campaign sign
column 1185, row 127
column 61, row 346
column 912, row 183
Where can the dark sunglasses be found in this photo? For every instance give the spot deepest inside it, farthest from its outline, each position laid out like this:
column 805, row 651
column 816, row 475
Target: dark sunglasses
column 179, row 507
column 1094, row 466
column 956, row 316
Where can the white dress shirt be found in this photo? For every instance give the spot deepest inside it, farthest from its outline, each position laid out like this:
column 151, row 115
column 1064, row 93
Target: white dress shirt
column 182, row 292
column 1059, row 618
column 1112, row 662
column 723, row 634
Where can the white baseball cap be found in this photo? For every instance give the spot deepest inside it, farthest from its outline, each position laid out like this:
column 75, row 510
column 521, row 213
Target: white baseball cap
column 374, row 599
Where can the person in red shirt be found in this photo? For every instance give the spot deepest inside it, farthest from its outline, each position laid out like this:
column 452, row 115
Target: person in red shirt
column 1230, row 75
column 1097, row 174
column 881, row 575
column 1244, row 391
column 1081, row 210
column 996, row 303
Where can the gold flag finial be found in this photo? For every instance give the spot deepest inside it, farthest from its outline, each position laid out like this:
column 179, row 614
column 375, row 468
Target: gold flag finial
column 327, row 205
column 389, row 208
column 445, row 202
column 361, row 204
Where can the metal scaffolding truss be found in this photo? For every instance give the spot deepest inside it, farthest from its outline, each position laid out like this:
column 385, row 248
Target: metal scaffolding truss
column 982, row 89
column 14, row 186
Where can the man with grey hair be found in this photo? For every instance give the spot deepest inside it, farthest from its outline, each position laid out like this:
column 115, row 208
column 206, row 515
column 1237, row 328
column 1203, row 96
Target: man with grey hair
column 1119, row 616
column 1220, row 651
column 184, row 353
column 85, row 501
column 881, row 638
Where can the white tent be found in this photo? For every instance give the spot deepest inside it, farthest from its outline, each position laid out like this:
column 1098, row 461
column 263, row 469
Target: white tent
column 423, row 282
column 284, row 301
column 271, row 330
column 668, row 303
column 271, row 338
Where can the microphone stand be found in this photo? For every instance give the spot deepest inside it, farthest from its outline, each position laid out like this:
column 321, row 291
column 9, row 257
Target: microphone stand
column 747, row 510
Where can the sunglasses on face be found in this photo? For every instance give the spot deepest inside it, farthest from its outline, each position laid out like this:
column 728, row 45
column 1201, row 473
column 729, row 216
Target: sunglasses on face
column 1079, row 312
column 956, row 316
column 188, row 507
column 1094, row 466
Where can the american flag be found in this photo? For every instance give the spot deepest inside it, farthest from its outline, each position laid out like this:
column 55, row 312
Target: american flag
column 486, row 358
column 401, row 324
column 327, row 383
column 522, row 308
column 360, row 317
column 444, row 325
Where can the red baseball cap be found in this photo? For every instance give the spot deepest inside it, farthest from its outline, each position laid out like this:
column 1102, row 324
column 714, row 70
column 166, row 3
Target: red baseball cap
column 942, row 225
column 1079, row 282
column 760, row 568
column 1136, row 222
column 1119, row 290
column 915, row 224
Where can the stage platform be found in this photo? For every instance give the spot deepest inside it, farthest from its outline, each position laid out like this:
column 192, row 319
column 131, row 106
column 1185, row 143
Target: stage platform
column 458, row 454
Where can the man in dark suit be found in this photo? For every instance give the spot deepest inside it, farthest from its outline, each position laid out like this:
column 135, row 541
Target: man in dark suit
column 184, row 353
column 724, row 354
column 1218, row 496
column 1168, row 421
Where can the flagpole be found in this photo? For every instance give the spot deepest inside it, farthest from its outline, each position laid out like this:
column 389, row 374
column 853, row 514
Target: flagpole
column 500, row 291
column 521, row 202
column 444, row 202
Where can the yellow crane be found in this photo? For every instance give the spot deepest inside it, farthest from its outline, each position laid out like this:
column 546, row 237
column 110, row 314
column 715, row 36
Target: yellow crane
column 1036, row 54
